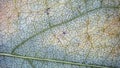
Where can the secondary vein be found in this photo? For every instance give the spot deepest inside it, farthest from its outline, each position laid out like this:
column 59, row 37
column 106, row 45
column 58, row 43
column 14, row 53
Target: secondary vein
column 65, row 22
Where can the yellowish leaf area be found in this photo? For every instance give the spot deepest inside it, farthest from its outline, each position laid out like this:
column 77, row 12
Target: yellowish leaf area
column 8, row 14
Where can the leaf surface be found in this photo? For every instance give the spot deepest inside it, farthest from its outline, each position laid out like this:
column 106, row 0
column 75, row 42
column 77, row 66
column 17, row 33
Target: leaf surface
column 59, row 33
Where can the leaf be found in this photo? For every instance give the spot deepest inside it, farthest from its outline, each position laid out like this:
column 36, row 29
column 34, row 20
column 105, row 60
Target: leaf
column 59, row 34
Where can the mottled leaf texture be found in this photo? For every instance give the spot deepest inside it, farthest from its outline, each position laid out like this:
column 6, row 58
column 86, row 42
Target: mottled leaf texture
column 59, row 33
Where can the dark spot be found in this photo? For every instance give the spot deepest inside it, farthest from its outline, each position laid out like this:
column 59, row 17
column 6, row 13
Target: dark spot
column 64, row 32
column 47, row 11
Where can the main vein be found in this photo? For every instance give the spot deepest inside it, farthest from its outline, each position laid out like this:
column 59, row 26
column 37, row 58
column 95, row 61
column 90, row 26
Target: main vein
column 51, row 60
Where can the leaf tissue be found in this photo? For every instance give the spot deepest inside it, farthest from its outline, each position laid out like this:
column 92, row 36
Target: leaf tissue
column 59, row 33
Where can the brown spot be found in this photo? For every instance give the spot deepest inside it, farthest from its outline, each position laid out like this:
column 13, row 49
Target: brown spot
column 112, row 29
column 115, row 51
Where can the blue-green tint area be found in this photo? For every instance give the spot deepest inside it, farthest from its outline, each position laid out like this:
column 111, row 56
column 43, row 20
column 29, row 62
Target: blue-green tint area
column 62, row 34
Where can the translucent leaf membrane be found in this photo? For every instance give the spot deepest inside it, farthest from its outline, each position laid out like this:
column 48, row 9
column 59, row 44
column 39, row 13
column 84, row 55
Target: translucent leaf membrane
column 59, row 34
